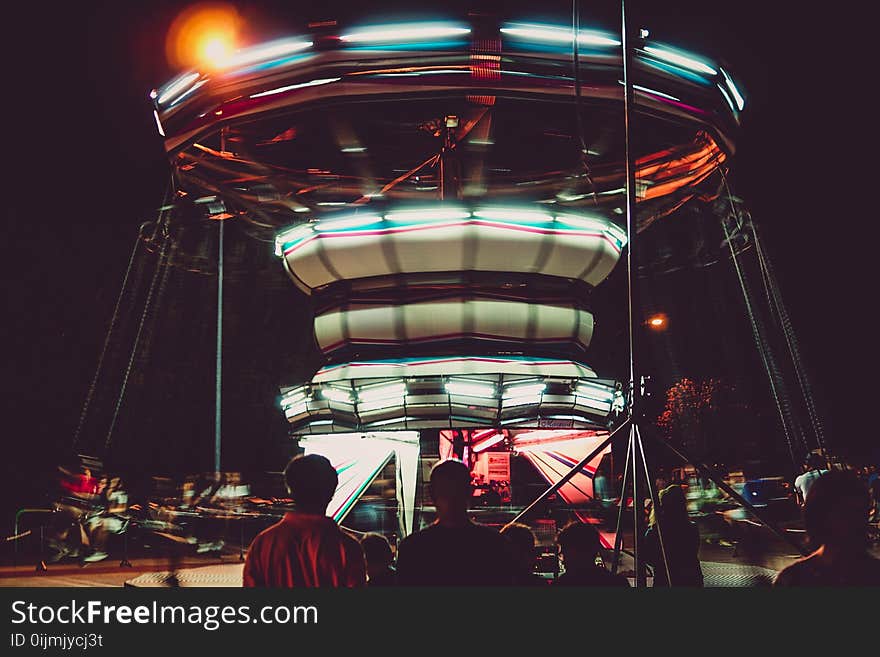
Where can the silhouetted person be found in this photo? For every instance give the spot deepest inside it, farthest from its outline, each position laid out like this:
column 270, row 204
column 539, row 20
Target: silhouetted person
column 836, row 518
column 377, row 552
column 681, row 541
column 813, row 468
column 521, row 545
column 453, row 551
column 579, row 544
column 306, row 548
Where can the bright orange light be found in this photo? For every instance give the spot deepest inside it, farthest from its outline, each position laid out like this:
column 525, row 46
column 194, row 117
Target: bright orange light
column 203, row 36
column 658, row 322
column 215, row 50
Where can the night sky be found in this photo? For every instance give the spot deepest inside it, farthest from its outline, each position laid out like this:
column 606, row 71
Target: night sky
column 83, row 167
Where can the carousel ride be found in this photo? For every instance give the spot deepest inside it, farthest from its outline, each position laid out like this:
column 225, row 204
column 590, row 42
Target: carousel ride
column 445, row 198
column 448, row 195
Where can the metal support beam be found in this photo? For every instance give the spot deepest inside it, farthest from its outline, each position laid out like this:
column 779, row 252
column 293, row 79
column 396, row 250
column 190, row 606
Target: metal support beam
column 571, row 473
column 618, row 535
column 219, row 362
column 716, row 476
column 635, row 379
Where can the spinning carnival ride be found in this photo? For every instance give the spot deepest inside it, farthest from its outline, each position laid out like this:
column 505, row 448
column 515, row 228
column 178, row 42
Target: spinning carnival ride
column 448, row 195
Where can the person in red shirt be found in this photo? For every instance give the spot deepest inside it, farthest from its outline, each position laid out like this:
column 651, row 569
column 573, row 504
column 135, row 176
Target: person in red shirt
column 306, row 548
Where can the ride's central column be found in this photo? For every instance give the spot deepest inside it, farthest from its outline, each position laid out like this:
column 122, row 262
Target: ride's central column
column 448, row 316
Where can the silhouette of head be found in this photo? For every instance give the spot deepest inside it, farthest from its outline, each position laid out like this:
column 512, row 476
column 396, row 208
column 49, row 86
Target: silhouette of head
column 672, row 505
column 377, row 551
column 579, row 544
column 836, row 510
column 311, row 480
column 521, row 542
column 450, row 488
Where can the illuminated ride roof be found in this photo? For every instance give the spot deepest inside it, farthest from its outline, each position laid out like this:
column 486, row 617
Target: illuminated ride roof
column 294, row 129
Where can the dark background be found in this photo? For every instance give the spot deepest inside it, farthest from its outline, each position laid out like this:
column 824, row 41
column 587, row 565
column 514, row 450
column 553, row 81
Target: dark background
column 84, row 166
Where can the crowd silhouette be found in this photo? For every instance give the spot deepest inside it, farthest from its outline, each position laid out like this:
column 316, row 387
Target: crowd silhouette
column 308, row 549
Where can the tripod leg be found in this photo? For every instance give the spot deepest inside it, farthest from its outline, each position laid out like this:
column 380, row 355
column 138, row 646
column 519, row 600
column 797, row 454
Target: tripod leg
column 618, row 535
column 638, row 512
column 641, row 448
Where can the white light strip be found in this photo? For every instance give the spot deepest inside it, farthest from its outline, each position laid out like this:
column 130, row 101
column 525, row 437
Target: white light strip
column 617, row 233
column 186, row 93
column 588, row 389
column 292, row 235
column 582, row 222
column 602, row 406
column 487, row 443
column 470, row 389
column 511, row 214
column 653, row 92
column 367, row 407
column 158, row 123
column 524, row 390
column 178, row 86
column 265, row 52
column 294, row 398
column 560, row 35
column 295, row 410
column 381, row 392
column 347, row 222
column 740, row 101
column 404, row 33
column 428, row 214
column 727, row 98
column 291, row 87
column 392, row 421
column 337, row 395
column 680, row 59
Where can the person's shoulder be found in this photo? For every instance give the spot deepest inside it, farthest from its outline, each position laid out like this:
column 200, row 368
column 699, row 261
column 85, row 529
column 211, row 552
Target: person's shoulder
column 485, row 532
column 418, row 538
column 420, row 535
column 269, row 531
column 799, row 573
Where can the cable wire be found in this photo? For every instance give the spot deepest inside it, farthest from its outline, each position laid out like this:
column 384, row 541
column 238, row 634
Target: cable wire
column 134, row 349
column 790, row 338
column 782, row 405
